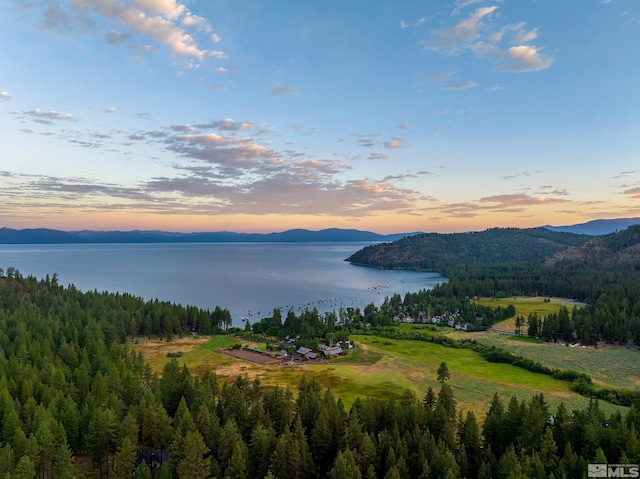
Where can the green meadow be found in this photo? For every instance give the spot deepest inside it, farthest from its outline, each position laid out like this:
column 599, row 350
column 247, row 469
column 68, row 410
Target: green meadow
column 526, row 305
column 611, row 365
column 379, row 368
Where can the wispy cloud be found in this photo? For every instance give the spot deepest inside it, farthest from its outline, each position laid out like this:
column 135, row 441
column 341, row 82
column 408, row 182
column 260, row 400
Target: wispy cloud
column 396, row 142
column 418, row 23
column 632, row 192
column 520, row 199
column 279, row 89
column 110, row 109
column 521, row 174
column 440, row 76
column 46, row 117
column 457, row 38
column 459, row 86
column 4, row 96
column 507, row 46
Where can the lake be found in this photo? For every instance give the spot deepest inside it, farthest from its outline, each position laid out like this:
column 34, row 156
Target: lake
column 248, row 279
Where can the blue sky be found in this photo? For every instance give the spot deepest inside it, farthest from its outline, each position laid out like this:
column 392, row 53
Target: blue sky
column 264, row 116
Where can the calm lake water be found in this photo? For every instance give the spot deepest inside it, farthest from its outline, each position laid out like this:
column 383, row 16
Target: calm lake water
column 248, row 279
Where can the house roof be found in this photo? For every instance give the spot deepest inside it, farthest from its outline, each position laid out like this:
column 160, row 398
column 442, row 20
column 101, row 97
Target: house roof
column 303, row 350
column 334, row 351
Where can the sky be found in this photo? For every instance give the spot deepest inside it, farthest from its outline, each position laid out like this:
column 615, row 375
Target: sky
column 261, row 116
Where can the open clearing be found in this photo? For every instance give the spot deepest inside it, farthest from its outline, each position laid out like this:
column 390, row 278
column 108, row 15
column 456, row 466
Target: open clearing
column 526, row 305
column 378, row 368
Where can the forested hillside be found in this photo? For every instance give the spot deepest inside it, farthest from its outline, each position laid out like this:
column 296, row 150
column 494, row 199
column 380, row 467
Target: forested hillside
column 70, row 387
column 612, row 250
column 447, row 252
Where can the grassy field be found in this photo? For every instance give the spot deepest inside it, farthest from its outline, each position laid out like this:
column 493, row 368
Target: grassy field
column 526, row 305
column 379, row 368
column 611, row 365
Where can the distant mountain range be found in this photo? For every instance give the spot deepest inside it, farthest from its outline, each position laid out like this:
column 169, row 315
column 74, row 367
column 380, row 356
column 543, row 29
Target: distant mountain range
column 596, row 227
column 50, row 236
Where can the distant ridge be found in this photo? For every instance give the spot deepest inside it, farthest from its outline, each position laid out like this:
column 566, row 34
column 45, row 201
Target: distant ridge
column 596, row 227
column 50, row 236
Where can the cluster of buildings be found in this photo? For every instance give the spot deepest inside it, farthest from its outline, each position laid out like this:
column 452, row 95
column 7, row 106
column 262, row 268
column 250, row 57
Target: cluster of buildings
column 323, row 351
column 451, row 320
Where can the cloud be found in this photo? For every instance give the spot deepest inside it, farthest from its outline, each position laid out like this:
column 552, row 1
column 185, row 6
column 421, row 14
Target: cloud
column 520, row 199
column 46, row 117
column 282, row 90
column 395, row 143
column 522, row 173
column 419, row 23
column 403, row 126
column 165, row 21
column 228, row 125
column 110, row 110
column 633, row 192
column 459, row 86
column 508, row 46
column 4, row 96
column 622, row 174
column 191, row 20
column 525, row 37
column 440, row 76
column 367, row 142
column 455, row 39
column 524, row 59
column 517, row 203
column 231, row 171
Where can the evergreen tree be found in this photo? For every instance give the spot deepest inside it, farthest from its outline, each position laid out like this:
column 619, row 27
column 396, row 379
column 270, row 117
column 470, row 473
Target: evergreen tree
column 25, row 469
column 443, row 373
column 125, row 459
column 345, row 467
column 195, row 464
column 238, row 465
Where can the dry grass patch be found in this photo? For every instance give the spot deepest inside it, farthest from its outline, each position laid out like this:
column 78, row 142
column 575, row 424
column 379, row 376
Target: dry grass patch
column 157, row 346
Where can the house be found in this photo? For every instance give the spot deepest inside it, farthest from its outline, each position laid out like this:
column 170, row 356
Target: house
column 333, row 352
column 304, row 353
column 151, row 458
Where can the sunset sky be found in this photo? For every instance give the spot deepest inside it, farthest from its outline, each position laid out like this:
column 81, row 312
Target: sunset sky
column 260, row 116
